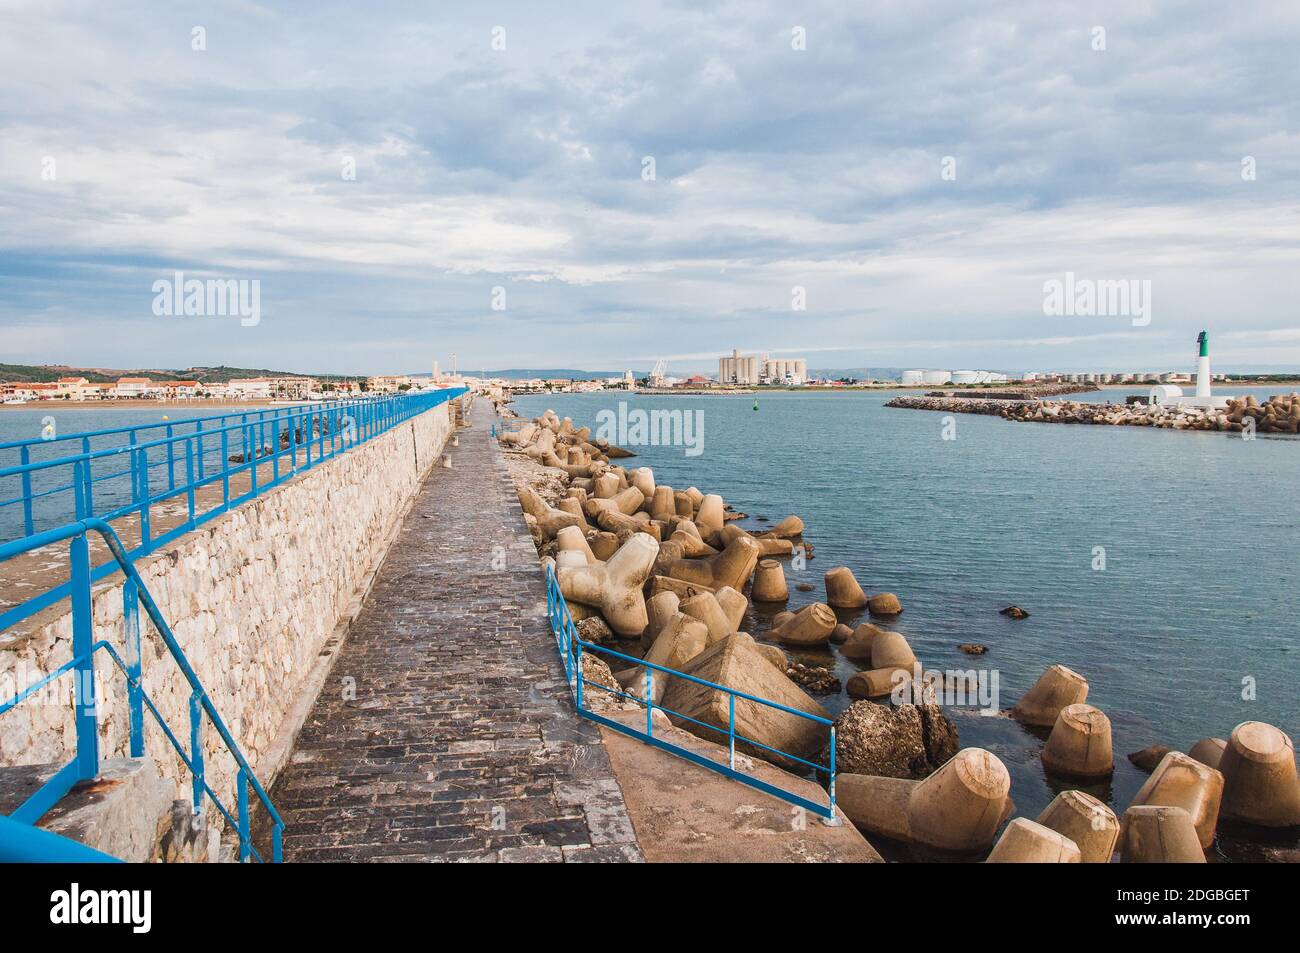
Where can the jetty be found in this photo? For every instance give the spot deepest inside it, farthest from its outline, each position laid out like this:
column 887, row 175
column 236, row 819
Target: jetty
column 322, row 633
column 384, row 630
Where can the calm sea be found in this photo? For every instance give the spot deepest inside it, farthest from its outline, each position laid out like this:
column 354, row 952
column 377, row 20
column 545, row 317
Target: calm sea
column 1191, row 628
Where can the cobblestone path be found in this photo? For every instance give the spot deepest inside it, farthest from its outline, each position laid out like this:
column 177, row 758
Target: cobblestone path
column 445, row 731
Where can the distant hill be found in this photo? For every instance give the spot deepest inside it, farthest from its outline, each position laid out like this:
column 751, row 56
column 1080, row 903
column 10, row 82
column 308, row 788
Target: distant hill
column 34, row 373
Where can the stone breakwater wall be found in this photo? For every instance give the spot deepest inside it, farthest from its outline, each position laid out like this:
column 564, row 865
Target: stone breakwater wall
column 256, row 599
column 1279, row 414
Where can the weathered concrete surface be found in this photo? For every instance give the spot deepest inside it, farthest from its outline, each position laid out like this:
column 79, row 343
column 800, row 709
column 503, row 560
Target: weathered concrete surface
column 117, row 813
column 445, row 731
column 686, row 813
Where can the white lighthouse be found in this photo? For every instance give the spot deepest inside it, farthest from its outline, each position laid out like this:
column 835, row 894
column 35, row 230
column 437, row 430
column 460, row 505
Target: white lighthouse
column 1170, row 395
column 1203, row 369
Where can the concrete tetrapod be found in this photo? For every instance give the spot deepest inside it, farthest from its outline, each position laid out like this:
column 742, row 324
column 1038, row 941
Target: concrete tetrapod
column 1027, row 842
column 1054, row 690
column 572, row 539
column 711, row 515
column 574, row 508
column 606, row 486
column 681, row 639
column 891, row 650
column 1079, row 745
column 603, row 545
column 736, row 663
column 960, row 806
column 692, row 546
column 892, row 663
column 811, row 625
column 788, row 528
column 769, row 582
column 766, row 547
column 1087, row 821
column 549, row 519
column 628, row 501
column 1209, row 751
column 842, row 589
column 660, row 607
column 660, row 505
column 957, row 809
column 1180, row 780
column 733, row 604
column 884, row 604
column 731, row 567
column 1154, row 834
column 1259, row 776
column 615, row 587
column 857, row 647
column 643, row 478
column 705, row 607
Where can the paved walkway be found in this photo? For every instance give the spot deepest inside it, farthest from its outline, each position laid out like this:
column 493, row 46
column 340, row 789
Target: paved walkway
column 445, row 731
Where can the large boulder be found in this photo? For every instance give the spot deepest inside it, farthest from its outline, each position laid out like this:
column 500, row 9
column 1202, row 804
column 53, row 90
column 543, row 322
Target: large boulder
column 738, row 664
column 908, row 741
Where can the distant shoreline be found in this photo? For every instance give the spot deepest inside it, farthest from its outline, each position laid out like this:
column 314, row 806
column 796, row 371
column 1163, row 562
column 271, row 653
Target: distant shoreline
column 142, row 404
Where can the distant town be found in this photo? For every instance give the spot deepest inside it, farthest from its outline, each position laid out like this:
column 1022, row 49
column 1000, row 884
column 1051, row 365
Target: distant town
column 735, row 371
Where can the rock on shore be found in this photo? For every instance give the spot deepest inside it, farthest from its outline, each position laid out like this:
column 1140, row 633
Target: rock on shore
column 908, row 741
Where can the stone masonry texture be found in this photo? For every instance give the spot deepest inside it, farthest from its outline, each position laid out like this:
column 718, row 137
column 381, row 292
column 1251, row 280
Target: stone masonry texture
column 446, row 731
column 253, row 598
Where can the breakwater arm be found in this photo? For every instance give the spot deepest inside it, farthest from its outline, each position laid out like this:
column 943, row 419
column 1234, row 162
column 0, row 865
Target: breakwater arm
column 1278, row 414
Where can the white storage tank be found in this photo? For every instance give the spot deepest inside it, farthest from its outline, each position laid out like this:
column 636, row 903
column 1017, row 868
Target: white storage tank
column 966, row 377
column 937, row 377
column 913, row 378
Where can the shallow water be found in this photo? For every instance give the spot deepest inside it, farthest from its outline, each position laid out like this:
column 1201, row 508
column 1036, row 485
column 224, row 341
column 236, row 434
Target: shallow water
column 1198, row 598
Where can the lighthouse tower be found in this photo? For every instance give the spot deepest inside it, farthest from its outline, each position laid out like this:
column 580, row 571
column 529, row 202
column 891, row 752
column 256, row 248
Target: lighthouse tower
column 1203, row 370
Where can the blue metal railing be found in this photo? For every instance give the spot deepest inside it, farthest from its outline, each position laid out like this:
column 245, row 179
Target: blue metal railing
column 181, row 462
column 85, row 764
column 571, row 649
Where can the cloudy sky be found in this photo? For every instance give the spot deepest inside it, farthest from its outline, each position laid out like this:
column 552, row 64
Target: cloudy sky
column 126, row 155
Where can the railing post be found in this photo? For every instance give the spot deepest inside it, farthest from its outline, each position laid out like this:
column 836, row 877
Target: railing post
column 87, row 479
column 171, row 458
column 189, row 478
column 134, row 667
column 833, row 821
column 25, row 457
column 85, row 714
column 577, row 674
column 248, row 441
column 196, row 750
column 225, row 466
column 143, row 468
column 731, row 731
column 198, row 435
column 649, row 702
column 244, row 843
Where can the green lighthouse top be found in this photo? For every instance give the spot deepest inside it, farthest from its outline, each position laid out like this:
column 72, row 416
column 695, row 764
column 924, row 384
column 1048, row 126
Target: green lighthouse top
column 1204, row 341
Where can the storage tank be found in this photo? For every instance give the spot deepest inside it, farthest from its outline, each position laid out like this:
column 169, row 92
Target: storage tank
column 965, row 377
column 937, row 377
column 913, row 378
